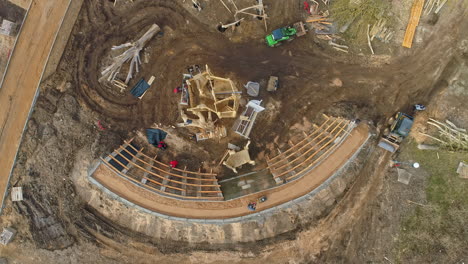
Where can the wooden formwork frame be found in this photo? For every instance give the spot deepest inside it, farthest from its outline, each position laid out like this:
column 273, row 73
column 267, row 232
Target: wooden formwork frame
column 295, row 150
column 156, row 190
column 310, row 157
column 167, row 166
column 166, row 172
column 305, row 140
column 302, row 141
column 317, row 160
column 339, row 125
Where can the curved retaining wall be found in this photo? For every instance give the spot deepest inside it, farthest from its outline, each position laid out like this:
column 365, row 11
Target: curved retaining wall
column 261, row 225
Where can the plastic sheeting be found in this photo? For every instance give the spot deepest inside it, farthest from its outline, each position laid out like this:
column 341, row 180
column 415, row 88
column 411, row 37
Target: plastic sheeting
column 140, row 88
column 155, row 136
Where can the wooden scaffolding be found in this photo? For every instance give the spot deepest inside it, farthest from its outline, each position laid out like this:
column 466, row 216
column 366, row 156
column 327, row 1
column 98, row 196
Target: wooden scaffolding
column 130, row 162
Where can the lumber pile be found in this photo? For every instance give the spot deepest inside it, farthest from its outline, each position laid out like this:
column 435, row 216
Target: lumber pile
column 433, row 5
column 132, row 54
column 380, row 31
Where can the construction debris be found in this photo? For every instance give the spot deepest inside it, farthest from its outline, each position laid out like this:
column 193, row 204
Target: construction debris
column 7, row 235
column 217, row 132
column 237, row 159
column 381, row 32
column 8, row 28
column 369, row 40
column 119, row 84
column 338, row 47
column 253, row 88
column 462, row 170
column 273, row 84
column 450, row 136
column 256, row 11
column 433, row 5
column 233, row 147
column 17, row 194
column 403, row 176
column 244, row 124
column 140, row 89
column 132, row 54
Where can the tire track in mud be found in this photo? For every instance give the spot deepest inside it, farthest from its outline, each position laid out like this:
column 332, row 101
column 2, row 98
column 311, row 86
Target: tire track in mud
column 101, row 38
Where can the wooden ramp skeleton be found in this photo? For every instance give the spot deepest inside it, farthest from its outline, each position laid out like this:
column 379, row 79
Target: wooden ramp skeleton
column 302, row 156
column 129, row 162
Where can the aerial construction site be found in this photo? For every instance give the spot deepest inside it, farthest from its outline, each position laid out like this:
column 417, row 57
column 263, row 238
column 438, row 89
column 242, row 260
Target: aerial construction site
column 233, row 131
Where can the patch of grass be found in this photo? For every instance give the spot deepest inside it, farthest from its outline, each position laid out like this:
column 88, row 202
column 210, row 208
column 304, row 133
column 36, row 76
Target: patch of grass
column 439, row 229
column 364, row 13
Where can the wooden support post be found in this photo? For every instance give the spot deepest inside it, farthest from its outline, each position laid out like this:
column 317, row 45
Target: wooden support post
column 165, row 182
column 133, row 161
column 145, row 174
column 184, row 181
column 199, row 184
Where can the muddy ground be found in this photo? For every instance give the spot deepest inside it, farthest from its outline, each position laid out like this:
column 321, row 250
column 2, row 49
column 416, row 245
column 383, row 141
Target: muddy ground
column 359, row 229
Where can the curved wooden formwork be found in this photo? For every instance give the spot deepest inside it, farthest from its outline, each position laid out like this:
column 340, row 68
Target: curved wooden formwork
column 130, row 162
column 304, row 155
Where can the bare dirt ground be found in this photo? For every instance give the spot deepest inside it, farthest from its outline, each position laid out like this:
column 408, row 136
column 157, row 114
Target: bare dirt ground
column 362, row 226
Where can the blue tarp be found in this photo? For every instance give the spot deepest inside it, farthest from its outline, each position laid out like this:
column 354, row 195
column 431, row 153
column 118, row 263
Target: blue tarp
column 155, row 136
column 140, row 88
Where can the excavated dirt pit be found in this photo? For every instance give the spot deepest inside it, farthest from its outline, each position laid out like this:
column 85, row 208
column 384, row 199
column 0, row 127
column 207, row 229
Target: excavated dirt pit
column 314, row 79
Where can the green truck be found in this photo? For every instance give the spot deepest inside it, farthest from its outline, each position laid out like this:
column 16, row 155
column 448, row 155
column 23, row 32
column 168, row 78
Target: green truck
column 285, row 34
column 399, row 129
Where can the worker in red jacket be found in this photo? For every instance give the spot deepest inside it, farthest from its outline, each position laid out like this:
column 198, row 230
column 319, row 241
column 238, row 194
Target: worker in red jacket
column 162, row 145
column 173, row 163
column 307, row 7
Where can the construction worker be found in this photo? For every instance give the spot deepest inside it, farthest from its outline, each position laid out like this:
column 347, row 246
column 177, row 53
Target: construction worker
column 307, row 7
column 162, row 145
column 252, row 206
column 177, row 90
column 173, row 163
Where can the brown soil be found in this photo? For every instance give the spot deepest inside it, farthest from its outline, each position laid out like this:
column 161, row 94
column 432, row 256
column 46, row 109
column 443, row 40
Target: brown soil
column 357, row 230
